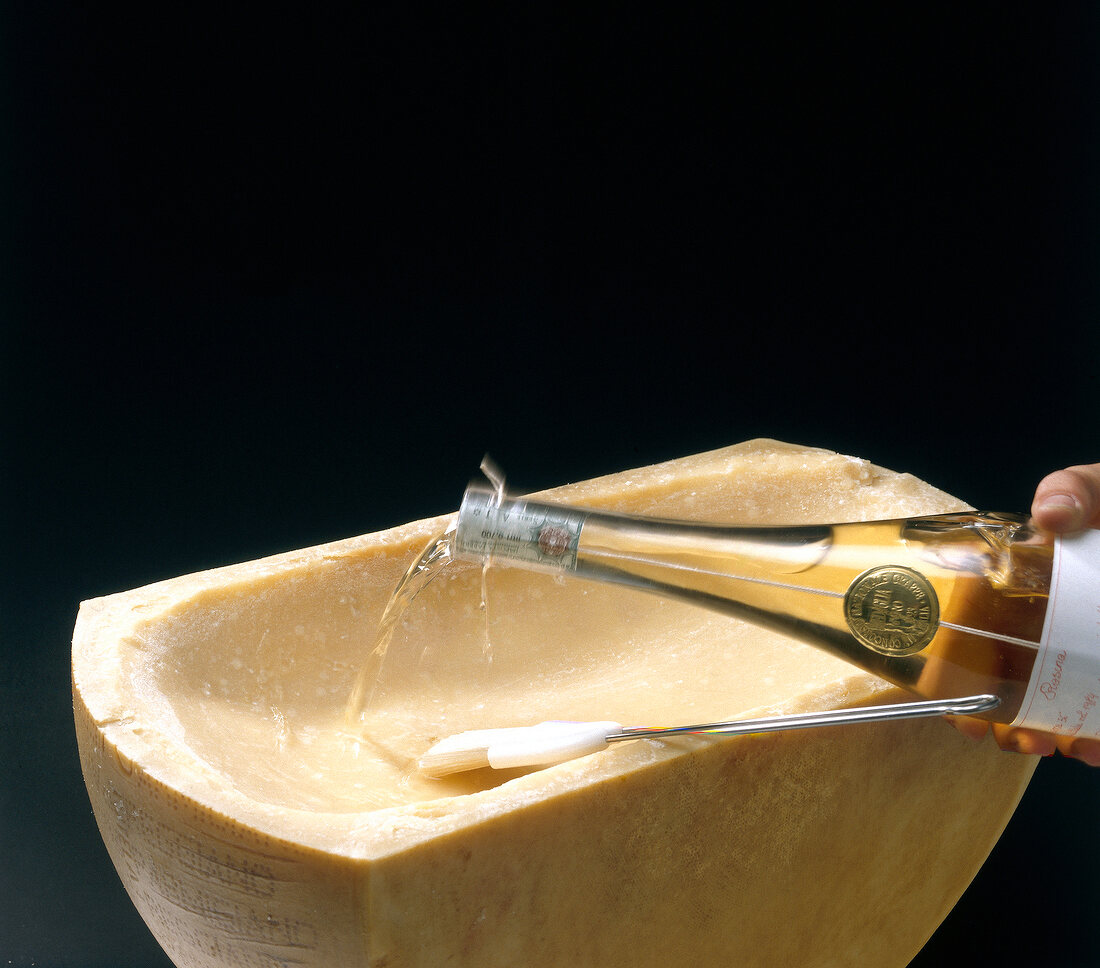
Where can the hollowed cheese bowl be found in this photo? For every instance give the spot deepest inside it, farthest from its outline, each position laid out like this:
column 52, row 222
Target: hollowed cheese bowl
column 253, row 822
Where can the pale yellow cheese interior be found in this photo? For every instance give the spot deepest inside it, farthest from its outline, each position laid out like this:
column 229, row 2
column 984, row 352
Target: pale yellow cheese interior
column 223, row 693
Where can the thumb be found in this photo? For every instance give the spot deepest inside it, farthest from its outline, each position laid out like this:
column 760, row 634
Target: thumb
column 1068, row 500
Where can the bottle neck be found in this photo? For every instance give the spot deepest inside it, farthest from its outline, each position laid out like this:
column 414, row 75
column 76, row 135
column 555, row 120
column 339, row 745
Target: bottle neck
column 627, row 548
column 541, row 536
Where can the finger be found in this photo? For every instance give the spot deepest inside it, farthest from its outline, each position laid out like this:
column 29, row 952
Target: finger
column 970, row 727
column 1028, row 741
column 1085, row 750
column 1068, row 500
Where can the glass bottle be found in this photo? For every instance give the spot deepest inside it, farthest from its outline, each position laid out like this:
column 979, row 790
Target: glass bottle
column 945, row 605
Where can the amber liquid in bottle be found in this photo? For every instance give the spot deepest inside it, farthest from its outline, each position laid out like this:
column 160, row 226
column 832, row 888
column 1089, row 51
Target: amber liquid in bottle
column 945, row 605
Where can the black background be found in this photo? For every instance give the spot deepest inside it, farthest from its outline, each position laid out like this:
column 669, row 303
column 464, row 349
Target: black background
column 275, row 276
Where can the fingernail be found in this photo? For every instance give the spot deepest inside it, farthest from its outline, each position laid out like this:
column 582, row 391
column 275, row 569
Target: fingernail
column 1060, row 511
column 1014, row 743
column 1060, row 502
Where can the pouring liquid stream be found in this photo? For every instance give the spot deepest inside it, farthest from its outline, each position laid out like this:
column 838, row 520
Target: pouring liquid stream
column 432, row 560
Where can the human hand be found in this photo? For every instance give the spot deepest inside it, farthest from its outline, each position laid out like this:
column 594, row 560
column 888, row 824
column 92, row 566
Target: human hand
column 1065, row 501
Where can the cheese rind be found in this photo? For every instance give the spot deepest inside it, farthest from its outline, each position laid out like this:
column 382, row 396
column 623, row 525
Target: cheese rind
column 248, row 825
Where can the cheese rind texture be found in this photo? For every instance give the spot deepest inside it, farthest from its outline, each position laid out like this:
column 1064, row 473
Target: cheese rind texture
column 250, row 825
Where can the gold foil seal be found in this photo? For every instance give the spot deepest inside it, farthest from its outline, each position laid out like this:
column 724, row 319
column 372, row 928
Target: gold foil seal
column 892, row 609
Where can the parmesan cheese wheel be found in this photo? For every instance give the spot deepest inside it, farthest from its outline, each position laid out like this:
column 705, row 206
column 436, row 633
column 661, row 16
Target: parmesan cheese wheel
column 252, row 826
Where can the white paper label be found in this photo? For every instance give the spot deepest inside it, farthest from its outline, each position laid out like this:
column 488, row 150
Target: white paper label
column 1064, row 692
